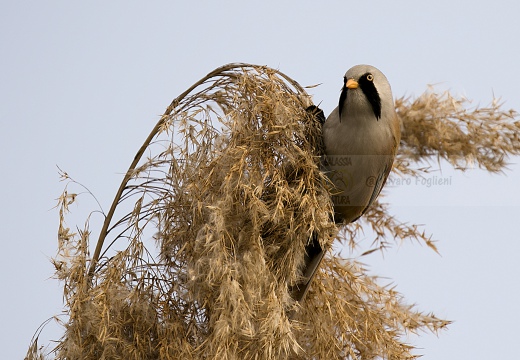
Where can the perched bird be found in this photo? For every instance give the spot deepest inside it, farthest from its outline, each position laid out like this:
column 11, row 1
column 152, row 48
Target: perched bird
column 360, row 138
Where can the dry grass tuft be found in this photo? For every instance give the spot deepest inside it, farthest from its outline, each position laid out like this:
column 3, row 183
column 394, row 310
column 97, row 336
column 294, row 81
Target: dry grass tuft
column 442, row 126
column 231, row 192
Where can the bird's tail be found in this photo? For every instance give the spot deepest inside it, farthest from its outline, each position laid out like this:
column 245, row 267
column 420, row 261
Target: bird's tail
column 313, row 255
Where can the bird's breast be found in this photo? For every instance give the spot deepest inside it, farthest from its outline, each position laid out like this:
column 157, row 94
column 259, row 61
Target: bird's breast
column 358, row 155
column 360, row 135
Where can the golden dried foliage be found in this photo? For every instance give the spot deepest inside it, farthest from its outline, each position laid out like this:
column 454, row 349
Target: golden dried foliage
column 231, row 192
column 439, row 126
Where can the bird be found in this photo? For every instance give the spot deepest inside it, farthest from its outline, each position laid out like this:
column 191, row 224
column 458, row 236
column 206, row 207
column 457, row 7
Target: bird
column 360, row 137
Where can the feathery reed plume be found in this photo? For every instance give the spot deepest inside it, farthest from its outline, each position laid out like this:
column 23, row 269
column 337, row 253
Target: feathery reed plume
column 230, row 192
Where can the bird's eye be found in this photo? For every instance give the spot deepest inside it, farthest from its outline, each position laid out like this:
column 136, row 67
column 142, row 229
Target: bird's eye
column 370, row 77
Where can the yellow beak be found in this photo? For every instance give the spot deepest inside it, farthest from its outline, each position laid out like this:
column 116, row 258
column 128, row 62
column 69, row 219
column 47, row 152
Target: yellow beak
column 351, row 84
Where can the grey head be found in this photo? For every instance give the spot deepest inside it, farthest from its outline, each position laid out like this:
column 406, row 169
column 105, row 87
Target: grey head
column 375, row 93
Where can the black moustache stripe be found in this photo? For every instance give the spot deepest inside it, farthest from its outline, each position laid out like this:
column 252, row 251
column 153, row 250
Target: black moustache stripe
column 370, row 91
column 342, row 98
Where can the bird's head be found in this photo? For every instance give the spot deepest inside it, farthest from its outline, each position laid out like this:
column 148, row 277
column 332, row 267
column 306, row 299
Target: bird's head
column 365, row 88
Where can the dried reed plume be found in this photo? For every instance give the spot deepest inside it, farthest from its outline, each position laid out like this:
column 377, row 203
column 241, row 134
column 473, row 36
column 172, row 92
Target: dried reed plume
column 231, row 191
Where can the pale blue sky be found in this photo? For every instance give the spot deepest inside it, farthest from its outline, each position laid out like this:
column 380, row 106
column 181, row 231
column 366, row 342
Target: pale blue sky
column 81, row 86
